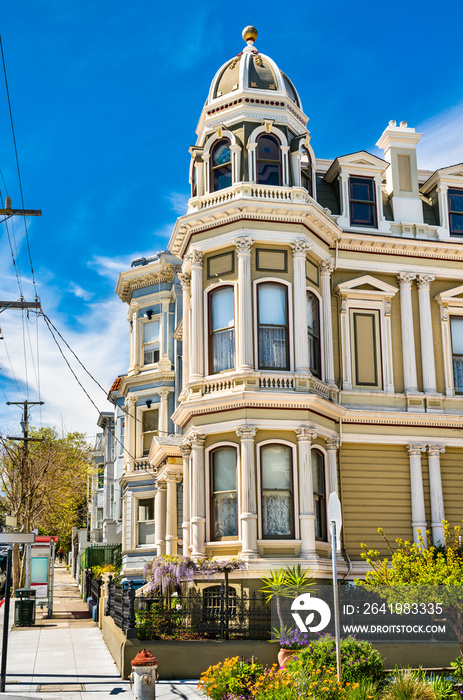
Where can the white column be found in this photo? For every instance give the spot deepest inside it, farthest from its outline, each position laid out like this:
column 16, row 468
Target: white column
column 197, row 324
column 185, row 449
column 442, row 191
column 164, row 413
column 235, row 151
column 134, row 350
column 417, row 493
column 332, row 446
column 248, row 507
column 207, row 173
column 306, row 502
column 198, row 501
column 252, row 162
column 408, row 335
column 160, row 519
column 344, row 219
column 437, row 497
column 171, row 514
column 383, row 224
column 326, row 268
column 284, row 158
column 244, row 321
column 301, row 341
column 185, row 282
column 427, row 342
column 129, row 452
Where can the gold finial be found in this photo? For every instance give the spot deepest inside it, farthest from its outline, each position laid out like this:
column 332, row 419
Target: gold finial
column 249, row 34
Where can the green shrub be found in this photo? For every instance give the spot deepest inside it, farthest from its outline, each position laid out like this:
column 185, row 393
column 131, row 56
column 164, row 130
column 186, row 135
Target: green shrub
column 358, row 658
column 230, row 678
column 457, row 666
column 443, row 688
column 408, row 684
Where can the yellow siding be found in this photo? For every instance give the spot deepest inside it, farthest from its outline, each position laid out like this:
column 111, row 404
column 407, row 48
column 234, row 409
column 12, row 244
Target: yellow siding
column 375, row 492
column 452, row 485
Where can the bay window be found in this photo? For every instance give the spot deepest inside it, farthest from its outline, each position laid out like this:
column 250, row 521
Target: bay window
column 221, row 330
column 149, row 429
column 319, row 494
column 145, row 521
column 313, row 331
column 224, row 505
column 277, row 491
column 273, row 336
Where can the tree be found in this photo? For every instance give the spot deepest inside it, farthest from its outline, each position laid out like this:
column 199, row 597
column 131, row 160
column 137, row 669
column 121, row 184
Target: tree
column 413, row 564
column 46, row 488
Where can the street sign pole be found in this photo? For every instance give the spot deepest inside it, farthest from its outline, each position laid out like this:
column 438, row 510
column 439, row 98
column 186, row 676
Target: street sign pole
column 335, row 518
column 6, row 621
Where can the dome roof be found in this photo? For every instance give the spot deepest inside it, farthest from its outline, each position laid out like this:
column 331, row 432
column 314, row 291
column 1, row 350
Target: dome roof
column 249, row 71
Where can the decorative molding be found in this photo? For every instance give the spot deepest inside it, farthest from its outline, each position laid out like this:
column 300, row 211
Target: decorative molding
column 344, row 306
column 149, row 279
column 243, row 245
column 306, row 434
column 444, row 311
column 416, row 449
column 246, row 433
column 300, row 248
column 424, row 281
column 387, row 307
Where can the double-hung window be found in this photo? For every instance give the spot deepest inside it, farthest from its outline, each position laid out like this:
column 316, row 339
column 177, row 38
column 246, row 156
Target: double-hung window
column 224, row 505
column 319, row 494
column 362, row 201
column 221, row 167
column 221, row 330
column 150, row 342
column 456, row 326
column 145, row 521
column 455, row 199
column 306, row 171
column 149, row 428
column 313, row 331
column 277, row 491
column 273, row 336
column 268, row 160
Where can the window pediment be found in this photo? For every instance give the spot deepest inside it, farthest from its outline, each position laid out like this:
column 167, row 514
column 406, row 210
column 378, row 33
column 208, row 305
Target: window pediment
column 366, row 287
column 358, row 163
column 451, row 176
column 452, row 297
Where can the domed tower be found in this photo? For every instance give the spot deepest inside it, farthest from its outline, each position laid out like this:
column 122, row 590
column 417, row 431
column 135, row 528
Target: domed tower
column 258, row 373
column 252, row 128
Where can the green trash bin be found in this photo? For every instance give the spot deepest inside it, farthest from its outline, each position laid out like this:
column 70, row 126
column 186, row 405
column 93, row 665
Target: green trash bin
column 24, row 607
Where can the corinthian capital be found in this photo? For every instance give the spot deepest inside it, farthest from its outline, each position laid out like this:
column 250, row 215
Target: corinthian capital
column 406, row 279
column 197, row 439
column 326, row 268
column 436, row 450
column 131, row 401
column 424, row 281
column 195, row 257
column 416, row 449
column 246, row 433
column 185, row 280
column 243, row 245
column 332, row 443
column 305, row 434
column 185, row 449
column 300, row 248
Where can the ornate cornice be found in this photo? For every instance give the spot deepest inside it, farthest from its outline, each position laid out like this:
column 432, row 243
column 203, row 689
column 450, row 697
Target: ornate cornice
column 148, row 279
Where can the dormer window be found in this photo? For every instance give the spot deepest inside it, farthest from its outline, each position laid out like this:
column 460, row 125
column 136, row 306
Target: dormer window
column 456, row 212
column 362, row 201
column 268, row 161
column 221, row 167
column 306, row 171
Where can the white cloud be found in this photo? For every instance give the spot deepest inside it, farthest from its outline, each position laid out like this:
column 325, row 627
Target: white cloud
column 79, row 291
column 179, row 202
column 442, row 141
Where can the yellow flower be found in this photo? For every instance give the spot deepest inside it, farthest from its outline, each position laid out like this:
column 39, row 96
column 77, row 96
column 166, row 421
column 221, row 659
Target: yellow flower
column 355, row 685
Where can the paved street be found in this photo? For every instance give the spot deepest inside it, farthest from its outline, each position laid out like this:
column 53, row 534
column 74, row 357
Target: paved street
column 65, row 658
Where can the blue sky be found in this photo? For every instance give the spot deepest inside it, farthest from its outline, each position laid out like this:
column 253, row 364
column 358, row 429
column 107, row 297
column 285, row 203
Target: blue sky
column 106, row 98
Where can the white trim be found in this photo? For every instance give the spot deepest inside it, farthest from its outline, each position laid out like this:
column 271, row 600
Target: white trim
column 324, row 452
column 207, row 459
column 139, row 410
column 235, row 148
column 289, row 298
column 268, row 128
column 317, row 294
column 135, row 497
column 295, row 492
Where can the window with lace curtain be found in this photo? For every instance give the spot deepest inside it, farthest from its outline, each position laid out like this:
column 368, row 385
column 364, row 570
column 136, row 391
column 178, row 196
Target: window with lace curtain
column 224, row 502
column 273, row 336
column 221, row 330
column 277, row 491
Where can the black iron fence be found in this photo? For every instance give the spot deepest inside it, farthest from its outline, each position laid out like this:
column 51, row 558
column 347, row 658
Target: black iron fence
column 216, row 612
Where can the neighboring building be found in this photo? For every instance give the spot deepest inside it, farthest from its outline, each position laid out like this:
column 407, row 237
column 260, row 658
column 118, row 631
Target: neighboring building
column 321, row 314
column 96, row 489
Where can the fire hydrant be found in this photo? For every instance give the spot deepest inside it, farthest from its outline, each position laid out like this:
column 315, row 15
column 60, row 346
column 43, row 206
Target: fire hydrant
column 143, row 676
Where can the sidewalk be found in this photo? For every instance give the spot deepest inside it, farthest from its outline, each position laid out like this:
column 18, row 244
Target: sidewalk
column 65, row 658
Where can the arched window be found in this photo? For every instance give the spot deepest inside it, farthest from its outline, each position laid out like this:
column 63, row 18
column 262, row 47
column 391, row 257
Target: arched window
column 221, row 330
column 224, row 506
column 306, row 171
column 277, row 491
column 273, row 337
column 313, row 331
column 268, row 160
column 319, row 494
column 221, row 168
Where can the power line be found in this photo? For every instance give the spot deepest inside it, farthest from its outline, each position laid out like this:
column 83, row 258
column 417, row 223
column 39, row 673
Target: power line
column 11, row 366
column 17, row 164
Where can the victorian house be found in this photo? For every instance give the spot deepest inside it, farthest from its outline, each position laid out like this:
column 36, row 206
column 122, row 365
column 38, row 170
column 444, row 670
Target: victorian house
column 304, row 335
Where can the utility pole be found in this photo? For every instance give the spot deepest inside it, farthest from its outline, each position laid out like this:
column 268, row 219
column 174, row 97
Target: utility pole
column 8, row 212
